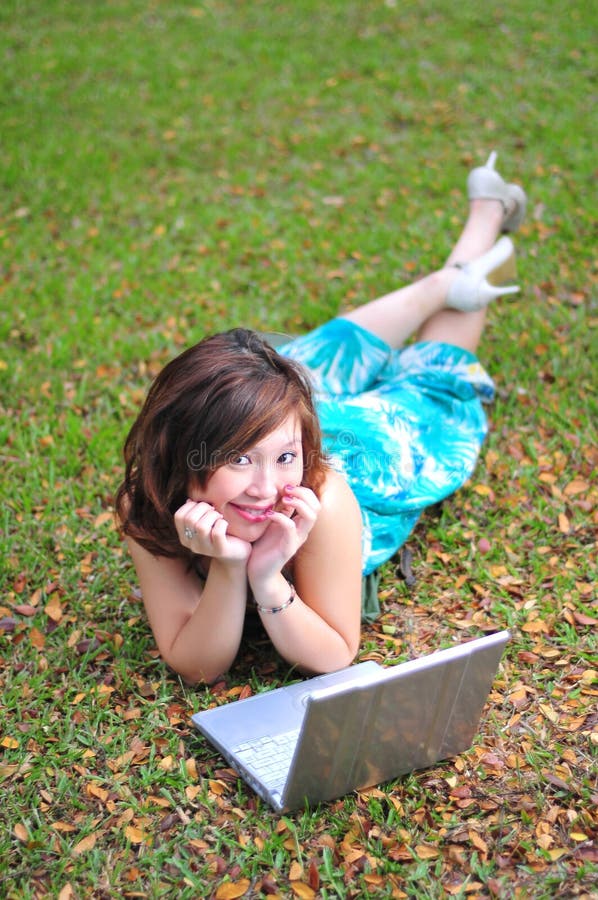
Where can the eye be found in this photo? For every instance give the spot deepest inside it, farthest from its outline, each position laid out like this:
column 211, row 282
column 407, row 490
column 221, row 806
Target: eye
column 287, row 459
column 240, row 461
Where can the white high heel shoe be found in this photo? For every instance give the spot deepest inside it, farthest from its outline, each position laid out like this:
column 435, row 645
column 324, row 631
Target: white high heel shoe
column 484, row 183
column 481, row 280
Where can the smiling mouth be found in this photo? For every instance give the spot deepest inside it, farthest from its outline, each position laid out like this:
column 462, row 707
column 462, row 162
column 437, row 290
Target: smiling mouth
column 253, row 513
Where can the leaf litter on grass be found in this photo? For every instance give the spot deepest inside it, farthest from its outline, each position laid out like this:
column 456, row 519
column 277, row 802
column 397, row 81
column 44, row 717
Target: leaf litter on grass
column 508, row 806
column 100, row 759
column 106, row 789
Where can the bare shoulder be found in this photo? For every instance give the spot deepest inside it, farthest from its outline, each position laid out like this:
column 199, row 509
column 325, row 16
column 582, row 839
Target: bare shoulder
column 169, row 589
column 336, row 495
column 328, row 566
column 161, row 572
column 339, row 523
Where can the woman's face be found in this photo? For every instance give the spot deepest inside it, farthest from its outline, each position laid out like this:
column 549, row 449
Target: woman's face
column 246, row 489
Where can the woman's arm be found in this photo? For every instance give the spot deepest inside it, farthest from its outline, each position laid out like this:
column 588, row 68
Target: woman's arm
column 197, row 627
column 320, row 630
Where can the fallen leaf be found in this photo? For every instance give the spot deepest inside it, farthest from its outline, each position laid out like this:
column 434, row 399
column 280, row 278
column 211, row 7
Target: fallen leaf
column 37, row 638
column 218, row 787
column 21, row 832
column 94, row 790
column 314, row 875
column 549, row 713
column 577, row 486
column 302, row 890
column 191, row 769
column 296, row 871
column 66, row 827
column 66, row 892
column 103, row 518
column 556, row 781
column 518, row 697
column 564, row 524
column 536, row 626
column 135, row 835
column 230, row 890
column 53, row 608
column 477, row 841
column 25, row 609
column 85, row 844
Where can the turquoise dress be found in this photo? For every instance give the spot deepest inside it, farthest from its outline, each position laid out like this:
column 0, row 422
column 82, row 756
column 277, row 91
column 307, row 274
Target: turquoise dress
column 404, row 427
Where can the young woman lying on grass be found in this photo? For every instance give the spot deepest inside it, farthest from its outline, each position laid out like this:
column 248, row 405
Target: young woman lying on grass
column 276, row 480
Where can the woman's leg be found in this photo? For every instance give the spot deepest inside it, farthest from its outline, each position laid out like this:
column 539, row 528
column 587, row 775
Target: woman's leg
column 481, row 230
column 419, row 308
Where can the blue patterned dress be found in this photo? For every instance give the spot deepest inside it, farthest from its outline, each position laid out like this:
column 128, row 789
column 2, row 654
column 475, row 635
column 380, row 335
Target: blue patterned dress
column 405, row 427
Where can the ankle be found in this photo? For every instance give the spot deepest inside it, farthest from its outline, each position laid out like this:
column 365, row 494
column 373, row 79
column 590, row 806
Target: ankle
column 444, row 278
column 485, row 183
column 492, row 211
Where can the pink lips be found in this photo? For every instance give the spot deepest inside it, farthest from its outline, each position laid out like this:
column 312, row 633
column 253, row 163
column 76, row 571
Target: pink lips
column 253, row 513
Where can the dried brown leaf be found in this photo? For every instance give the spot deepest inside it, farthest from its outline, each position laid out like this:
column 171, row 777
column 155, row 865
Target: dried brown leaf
column 53, row 608
column 20, row 832
column 65, row 827
column 25, row 609
column 135, row 835
column 230, row 890
column 66, row 892
column 302, row 890
column 85, row 844
column 296, row 871
column 37, row 639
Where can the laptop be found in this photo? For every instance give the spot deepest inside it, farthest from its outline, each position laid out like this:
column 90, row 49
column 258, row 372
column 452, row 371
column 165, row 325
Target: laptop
column 324, row 737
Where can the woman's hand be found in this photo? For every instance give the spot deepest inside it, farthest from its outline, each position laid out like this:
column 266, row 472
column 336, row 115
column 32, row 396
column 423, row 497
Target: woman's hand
column 285, row 534
column 202, row 529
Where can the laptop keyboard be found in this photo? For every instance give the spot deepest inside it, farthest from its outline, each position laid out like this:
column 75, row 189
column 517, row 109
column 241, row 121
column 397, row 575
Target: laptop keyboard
column 269, row 757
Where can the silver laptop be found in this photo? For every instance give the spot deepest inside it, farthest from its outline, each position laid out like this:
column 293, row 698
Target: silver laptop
column 324, row 737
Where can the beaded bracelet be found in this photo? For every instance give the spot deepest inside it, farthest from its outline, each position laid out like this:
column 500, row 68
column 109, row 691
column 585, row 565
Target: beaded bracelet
column 277, row 609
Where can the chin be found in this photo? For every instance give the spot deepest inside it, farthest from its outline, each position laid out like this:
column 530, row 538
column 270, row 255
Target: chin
column 249, row 533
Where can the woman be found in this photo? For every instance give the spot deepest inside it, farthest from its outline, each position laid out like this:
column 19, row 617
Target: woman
column 230, row 501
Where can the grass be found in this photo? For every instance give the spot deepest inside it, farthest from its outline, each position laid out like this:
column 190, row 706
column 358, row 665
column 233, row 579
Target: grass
column 171, row 169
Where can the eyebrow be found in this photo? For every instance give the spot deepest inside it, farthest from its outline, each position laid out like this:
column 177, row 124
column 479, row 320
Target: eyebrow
column 287, row 441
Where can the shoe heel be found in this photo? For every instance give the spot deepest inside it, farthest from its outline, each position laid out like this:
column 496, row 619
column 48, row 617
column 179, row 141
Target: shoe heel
column 491, row 161
column 504, row 273
column 484, row 279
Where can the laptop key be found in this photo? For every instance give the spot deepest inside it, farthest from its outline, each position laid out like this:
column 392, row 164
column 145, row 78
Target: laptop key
column 270, row 756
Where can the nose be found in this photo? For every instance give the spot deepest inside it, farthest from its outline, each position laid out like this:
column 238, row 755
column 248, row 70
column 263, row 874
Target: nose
column 263, row 484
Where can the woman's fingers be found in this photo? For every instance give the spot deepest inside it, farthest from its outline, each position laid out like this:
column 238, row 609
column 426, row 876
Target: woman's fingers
column 303, row 505
column 203, row 530
column 219, row 537
column 194, row 524
column 297, row 526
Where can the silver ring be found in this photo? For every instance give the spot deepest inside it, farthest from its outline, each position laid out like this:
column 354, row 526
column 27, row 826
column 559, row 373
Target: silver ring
column 190, row 533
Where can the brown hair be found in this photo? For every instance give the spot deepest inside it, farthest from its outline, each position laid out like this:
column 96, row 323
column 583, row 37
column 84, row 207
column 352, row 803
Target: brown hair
column 214, row 401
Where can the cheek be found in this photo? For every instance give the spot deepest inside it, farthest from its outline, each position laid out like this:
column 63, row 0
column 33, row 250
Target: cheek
column 299, row 473
column 210, row 492
column 224, row 486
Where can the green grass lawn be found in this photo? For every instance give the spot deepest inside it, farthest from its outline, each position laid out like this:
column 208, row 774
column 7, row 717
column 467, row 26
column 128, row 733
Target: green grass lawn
column 174, row 168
